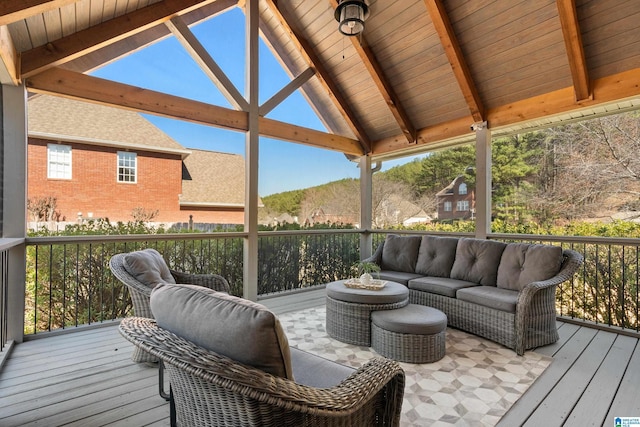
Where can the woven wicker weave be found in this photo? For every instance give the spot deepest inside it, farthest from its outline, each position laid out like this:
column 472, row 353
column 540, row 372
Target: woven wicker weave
column 532, row 325
column 350, row 322
column 212, row 390
column 140, row 292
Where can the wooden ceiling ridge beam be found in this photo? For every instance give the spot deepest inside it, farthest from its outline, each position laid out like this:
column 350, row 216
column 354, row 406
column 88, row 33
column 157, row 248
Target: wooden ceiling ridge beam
column 204, row 60
column 109, row 32
column 60, row 82
column 452, row 49
column 575, row 49
column 324, row 77
column 606, row 90
column 382, row 83
column 9, row 59
column 15, row 10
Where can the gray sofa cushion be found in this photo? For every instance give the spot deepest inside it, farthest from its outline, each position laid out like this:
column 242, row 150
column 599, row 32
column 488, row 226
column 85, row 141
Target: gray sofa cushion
column 436, row 256
column 477, row 261
column 240, row 329
column 399, row 253
column 440, row 285
column 411, row 319
column 315, row 371
column 396, row 276
column 490, row 296
column 148, row 267
column 523, row 263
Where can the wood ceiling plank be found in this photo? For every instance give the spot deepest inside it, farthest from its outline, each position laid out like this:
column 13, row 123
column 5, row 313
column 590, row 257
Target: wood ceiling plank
column 86, row 41
column 57, row 81
column 575, row 49
column 15, row 10
column 324, row 77
column 456, row 58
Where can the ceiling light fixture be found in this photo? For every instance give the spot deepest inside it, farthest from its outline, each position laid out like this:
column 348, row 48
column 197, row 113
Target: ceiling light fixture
column 351, row 15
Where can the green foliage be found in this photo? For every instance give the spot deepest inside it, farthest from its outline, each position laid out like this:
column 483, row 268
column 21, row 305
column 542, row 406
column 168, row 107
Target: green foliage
column 287, row 202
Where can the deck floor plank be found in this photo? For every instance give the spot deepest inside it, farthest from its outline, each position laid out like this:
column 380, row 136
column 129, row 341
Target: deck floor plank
column 600, row 393
column 88, row 379
column 558, row 404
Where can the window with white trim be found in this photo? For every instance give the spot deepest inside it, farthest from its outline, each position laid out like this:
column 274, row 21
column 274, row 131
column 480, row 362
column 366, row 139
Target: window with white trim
column 127, row 166
column 447, row 206
column 58, row 161
column 462, row 205
column 462, row 188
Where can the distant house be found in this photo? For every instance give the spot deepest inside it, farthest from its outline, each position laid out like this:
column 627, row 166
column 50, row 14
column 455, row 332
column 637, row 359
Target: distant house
column 96, row 161
column 456, row 200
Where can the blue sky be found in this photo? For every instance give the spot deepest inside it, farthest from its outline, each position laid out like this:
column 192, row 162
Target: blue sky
column 167, row 67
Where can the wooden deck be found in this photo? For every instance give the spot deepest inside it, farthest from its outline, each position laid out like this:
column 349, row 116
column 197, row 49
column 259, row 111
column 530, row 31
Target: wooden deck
column 87, row 379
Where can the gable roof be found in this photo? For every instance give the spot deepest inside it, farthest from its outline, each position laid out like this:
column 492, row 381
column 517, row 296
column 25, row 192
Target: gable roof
column 62, row 119
column 418, row 77
column 213, row 179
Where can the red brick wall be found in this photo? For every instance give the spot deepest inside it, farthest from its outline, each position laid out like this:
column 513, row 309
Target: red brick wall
column 94, row 187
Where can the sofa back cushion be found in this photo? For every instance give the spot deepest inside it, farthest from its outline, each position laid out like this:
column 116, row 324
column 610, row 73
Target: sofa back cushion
column 242, row 330
column 436, row 256
column 523, row 263
column 477, row 261
column 399, row 253
column 148, row 267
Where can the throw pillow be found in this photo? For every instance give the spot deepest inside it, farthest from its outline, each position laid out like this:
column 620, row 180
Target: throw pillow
column 148, row 267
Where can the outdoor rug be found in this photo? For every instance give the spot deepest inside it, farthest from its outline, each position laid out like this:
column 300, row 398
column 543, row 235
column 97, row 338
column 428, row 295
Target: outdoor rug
column 474, row 384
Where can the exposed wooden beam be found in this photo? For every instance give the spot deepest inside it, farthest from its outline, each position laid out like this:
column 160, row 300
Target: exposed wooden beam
column 284, row 93
column 575, row 50
column 384, row 87
column 324, row 77
column 15, row 10
column 86, row 41
column 9, row 61
column 454, row 54
column 57, row 81
column 618, row 87
column 200, row 55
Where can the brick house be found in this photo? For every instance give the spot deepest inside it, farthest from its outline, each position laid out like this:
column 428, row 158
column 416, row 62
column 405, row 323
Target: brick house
column 456, row 200
column 103, row 162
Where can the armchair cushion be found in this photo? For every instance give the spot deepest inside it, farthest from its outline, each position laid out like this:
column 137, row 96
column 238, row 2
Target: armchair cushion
column 523, row 263
column 477, row 261
column 148, row 267
column 436, row 256
column 240, row 329
column 315, row 371
column 399, row 253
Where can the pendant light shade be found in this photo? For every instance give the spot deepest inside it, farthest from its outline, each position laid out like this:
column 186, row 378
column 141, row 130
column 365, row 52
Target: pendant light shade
column 351, row 15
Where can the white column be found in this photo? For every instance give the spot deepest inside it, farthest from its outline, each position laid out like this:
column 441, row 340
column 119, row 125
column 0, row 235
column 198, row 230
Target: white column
column 250, row 272
column 483, row 180
column 14, row 200
column 366, row 205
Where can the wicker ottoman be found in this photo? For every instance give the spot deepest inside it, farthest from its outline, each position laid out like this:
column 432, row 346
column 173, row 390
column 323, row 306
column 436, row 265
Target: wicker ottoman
column 349, row 310
column 413, row 334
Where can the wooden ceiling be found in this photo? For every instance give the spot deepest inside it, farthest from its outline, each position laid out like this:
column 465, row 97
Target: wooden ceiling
column 422, row 73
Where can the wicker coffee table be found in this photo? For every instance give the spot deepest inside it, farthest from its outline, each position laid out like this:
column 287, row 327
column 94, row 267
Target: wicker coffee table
column 349, row 310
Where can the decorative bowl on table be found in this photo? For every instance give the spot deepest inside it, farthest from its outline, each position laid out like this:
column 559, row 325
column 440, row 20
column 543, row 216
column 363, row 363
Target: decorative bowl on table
column 370, row 285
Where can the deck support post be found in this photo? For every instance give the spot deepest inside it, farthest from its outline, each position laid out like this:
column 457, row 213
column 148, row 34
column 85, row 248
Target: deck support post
column 366, row 205
column 483, row 180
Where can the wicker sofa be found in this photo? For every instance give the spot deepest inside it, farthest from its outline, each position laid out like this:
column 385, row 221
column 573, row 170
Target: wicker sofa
column 230, row 364
column 504, row 292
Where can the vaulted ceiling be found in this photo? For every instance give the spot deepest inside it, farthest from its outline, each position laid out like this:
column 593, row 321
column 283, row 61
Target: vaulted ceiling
column 420, row 75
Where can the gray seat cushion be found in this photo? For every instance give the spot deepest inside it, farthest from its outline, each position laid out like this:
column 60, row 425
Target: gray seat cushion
column 411, row 319
column 391, row 293
column 396, row 276
column 477, row 261
column 440, row 285
column 148, row 267
column 524, row 263
column 316, row 371
column 436, row 256
column 400, row 253
column 242, row 330
column 490, row 296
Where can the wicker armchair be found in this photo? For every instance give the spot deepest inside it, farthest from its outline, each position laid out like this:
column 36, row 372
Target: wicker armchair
column 209, row 389
column 140, row 292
